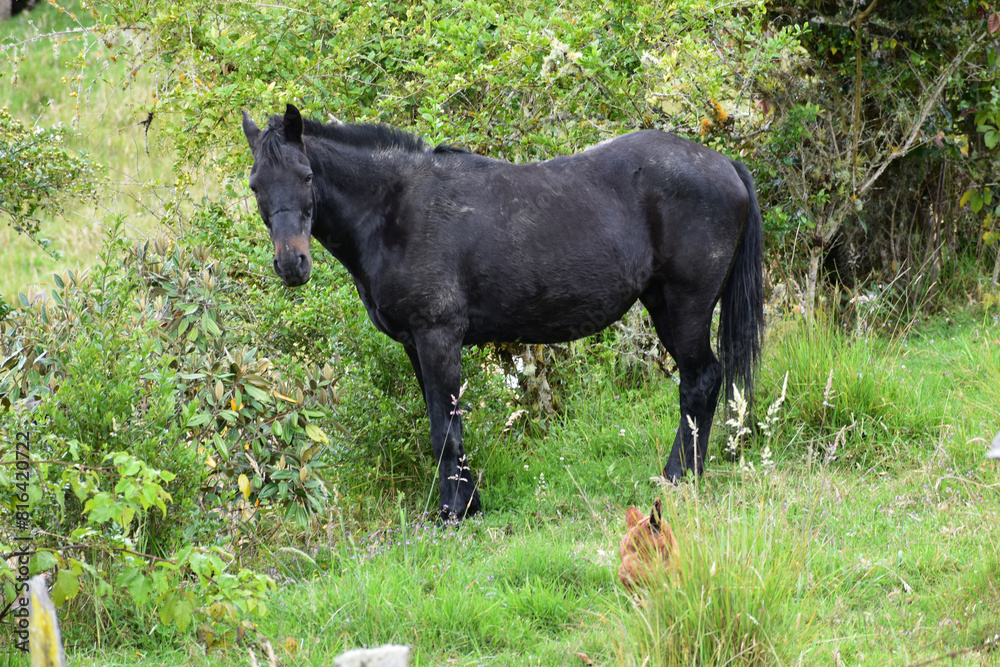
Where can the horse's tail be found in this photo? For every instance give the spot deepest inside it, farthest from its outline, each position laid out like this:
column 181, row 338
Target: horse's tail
column 741, row 325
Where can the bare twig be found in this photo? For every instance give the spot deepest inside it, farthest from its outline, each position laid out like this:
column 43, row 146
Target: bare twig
column 858, row 84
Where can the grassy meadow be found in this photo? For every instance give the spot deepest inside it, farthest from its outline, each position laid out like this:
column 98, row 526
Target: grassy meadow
column 863, row 530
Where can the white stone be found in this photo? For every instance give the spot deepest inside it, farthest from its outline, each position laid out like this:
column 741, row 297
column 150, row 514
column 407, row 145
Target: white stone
column 390, row 655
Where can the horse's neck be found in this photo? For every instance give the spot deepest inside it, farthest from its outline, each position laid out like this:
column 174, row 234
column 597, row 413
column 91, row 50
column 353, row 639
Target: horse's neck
column 351, row 207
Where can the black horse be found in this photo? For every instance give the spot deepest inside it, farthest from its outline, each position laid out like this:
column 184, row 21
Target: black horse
column 448, row 248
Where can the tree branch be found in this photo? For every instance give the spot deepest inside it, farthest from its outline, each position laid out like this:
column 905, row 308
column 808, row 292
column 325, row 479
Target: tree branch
column 925, row 111
column 856, row 126
column 84, row 545
column 914, row 133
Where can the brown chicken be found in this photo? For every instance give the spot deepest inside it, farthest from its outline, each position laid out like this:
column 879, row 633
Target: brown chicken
column 648, row 547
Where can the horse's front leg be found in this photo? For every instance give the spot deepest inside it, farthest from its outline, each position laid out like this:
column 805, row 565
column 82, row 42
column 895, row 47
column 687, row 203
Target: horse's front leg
column 439, row 355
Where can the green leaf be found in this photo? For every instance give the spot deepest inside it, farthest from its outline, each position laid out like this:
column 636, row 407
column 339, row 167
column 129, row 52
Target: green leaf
column 199, row 419
column 316, row 434
column 132, row 466
column 258, row 394
column 220, row 447
column 66, row 587
column 150, row 494
column 99, row 508
column 209, row 325
column 127, row 514
column 183, row 611
column 42, row 561
column 976, row 203
column 137, row 584
column 166, row 609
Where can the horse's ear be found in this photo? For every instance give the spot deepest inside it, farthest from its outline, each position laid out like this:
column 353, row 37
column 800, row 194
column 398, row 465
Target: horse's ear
column 250, row 129
column 632, row 517
column 293, row 125
column 656, row 516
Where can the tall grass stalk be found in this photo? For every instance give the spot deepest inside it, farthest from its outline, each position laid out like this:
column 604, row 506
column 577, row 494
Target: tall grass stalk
column 849, row 390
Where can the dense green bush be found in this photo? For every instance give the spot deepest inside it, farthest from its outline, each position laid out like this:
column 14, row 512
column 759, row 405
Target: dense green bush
column 149, row 361
column 872, row 128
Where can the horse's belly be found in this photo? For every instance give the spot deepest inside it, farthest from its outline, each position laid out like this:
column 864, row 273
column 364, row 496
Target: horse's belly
column 546, row 320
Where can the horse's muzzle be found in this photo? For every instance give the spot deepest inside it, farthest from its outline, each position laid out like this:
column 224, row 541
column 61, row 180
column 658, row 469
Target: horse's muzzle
column 293, row 268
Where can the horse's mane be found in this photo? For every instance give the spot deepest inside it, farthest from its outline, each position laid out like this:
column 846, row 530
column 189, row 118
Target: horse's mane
column 374, row 136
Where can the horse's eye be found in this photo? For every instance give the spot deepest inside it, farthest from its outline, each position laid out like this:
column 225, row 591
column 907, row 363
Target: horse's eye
column 309, row 179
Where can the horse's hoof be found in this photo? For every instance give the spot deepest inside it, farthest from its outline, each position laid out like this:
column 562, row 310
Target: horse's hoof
column 662, row 482
column 465, row 510
column 676, row 477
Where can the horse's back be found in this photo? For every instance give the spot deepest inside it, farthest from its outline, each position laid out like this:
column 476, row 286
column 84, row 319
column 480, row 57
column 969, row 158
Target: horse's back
column 556, row 250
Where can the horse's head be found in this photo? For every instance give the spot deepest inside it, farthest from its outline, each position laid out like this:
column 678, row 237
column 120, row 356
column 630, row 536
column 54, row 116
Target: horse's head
column 281, row 180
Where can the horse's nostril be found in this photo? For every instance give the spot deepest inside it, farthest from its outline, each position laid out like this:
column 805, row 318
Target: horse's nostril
column 303, row 259
column 274, row 262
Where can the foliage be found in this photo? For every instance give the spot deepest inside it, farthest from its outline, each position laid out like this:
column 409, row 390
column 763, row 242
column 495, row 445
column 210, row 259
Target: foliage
column 520, row 82
column 146, row 360
column 869, row 562
column 882, row 133
column 181, row 404
column 38, row 173
column 845, row 390
column 841, row 111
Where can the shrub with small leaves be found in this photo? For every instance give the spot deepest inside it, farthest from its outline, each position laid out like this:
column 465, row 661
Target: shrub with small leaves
column 37, row 173
column 157, row 429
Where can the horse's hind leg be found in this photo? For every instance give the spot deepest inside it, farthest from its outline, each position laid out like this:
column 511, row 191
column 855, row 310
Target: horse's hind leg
column 683, row 324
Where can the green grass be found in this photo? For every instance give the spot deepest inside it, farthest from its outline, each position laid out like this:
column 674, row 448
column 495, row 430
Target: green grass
column 796, row 558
